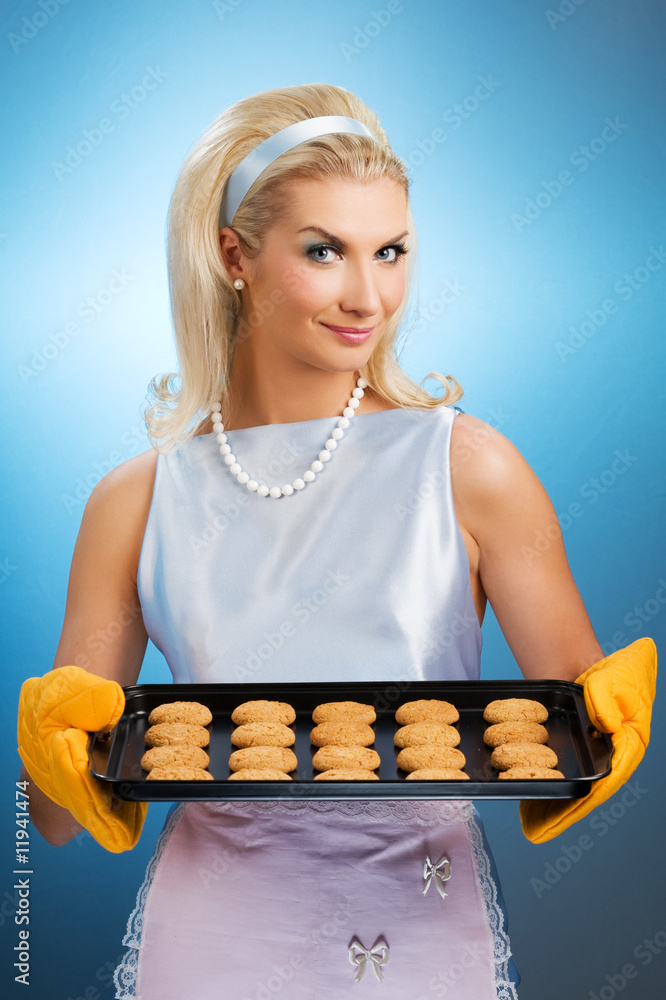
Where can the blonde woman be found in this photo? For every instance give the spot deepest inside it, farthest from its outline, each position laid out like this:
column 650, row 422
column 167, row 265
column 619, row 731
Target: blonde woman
column 272, row 535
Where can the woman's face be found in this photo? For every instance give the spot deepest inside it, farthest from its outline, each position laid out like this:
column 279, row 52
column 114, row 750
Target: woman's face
column 331, row 273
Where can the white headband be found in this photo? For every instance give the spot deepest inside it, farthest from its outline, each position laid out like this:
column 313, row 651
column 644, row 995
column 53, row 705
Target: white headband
column 254, row 164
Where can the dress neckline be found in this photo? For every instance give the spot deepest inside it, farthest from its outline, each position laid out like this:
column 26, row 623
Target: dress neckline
column 318, row 420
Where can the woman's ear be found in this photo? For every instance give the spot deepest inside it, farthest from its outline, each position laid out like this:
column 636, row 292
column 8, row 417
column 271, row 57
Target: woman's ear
column 232, row 255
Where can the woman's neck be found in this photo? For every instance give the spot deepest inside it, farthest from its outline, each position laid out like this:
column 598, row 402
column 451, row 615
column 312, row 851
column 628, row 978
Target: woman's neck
column 258, row 398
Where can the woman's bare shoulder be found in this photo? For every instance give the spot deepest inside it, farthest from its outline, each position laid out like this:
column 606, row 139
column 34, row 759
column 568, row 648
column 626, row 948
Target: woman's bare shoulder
column 136, row 475
column 488, row 473
column 118, row 507
column 102, row 589
column 480, row 451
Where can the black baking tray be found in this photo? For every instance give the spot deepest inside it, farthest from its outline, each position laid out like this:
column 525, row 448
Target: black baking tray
column 584, row 755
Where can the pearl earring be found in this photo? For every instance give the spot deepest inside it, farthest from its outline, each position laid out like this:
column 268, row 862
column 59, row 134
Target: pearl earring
column 238, row 284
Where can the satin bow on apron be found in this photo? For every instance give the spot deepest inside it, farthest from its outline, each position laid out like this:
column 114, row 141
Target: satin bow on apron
column 440, row 872
column 378, row 955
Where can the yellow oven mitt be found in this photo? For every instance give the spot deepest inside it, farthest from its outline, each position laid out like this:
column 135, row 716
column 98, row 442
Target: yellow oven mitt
column 57, row 713
column 619, row 692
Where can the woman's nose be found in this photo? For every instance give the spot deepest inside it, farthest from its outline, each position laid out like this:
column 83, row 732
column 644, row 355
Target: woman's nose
column 360, row 294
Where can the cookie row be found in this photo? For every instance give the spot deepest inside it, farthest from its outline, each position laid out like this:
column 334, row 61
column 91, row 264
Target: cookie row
column 176, row 738
column 428, row 741
column 263, row 738
column 518, row 737
column 343, row 734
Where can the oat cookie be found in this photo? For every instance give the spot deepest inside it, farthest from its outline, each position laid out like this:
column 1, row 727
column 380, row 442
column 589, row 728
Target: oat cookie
column 275, row 758
column 515, row 710
column 437, row 774
column 258, row 774
column 423, row 733
column 531, row 772
column 412, row 758
column 181, row 711
column 173, row 772
column 176, row 732
column 345, row 757
column 515, row 732
column 347, row 774
column 342, row 734
column 427, row 710
column 344, row 711
column 263, row 734
column 522, row 755
column 263, row 711
column 179, row 755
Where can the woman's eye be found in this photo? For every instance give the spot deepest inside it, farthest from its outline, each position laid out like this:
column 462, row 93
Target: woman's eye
column 392, row 254
column 322, row 254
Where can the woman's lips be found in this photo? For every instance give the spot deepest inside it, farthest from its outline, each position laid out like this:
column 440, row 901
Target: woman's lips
column 352, row 334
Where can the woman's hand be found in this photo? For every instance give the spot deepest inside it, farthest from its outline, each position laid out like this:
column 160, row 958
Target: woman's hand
column 56, row 714
column 619, row 692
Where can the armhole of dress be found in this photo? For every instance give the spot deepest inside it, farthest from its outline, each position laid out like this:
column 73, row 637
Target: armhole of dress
column 149, row 525
column 460, row 541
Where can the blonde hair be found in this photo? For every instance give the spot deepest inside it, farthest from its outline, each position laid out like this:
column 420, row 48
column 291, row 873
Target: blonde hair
column 204, row 304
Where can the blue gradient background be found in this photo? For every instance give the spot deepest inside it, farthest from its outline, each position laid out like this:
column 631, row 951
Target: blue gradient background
column 519, row 289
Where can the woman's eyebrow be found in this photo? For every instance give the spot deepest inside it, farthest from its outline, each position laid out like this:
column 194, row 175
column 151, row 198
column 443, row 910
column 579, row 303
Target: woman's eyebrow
column 340, row 242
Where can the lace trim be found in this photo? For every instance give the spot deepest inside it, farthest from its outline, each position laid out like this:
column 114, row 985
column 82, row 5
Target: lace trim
column 506, row 990
column 126, row 972
column 424, row 812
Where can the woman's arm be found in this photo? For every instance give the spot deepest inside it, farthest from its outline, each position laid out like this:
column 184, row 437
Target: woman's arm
column 103, row 630
column 517, row 558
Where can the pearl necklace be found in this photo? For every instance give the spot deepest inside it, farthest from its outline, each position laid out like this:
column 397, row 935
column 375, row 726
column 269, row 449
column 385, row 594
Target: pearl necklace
column 298, row 484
